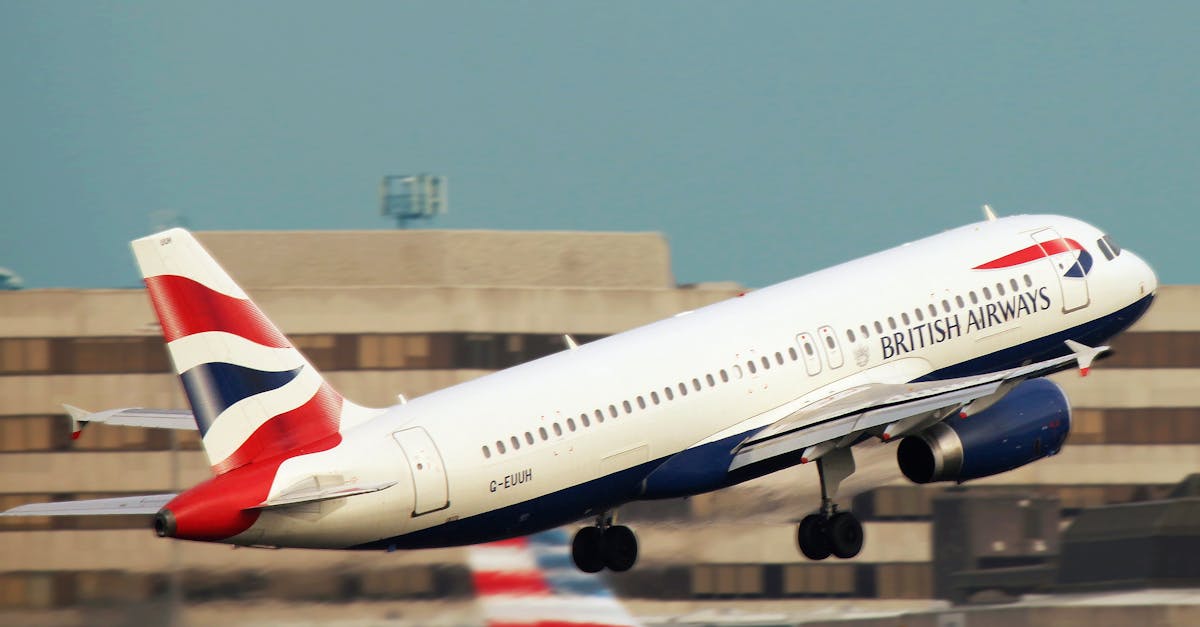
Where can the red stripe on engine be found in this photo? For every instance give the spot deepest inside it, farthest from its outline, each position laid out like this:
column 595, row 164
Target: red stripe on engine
column 1032, row 253
column 514, row 583
column 319, row 418
column 186, row 307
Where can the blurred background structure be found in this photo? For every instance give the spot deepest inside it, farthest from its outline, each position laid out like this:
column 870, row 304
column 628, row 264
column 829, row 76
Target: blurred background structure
column 388, row 312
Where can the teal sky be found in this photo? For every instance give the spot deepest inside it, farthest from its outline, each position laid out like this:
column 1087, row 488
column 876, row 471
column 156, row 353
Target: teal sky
column 763, row 139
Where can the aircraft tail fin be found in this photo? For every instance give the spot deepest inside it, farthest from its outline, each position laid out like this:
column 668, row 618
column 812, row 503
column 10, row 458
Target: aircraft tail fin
column 253, row 395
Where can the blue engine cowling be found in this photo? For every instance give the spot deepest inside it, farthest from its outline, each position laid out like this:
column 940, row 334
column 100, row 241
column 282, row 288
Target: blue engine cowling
column 1027, row 424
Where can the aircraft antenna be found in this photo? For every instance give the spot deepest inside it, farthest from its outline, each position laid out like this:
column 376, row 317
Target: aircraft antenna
column 988, row 213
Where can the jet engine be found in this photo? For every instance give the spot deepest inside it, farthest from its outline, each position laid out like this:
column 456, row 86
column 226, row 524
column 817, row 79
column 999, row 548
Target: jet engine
column 1029, row 423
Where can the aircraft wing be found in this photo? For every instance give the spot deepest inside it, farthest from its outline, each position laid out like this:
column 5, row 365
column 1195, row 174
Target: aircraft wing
column 889, row 410
column 531, row 581
column 122, row 505
column 131, row 417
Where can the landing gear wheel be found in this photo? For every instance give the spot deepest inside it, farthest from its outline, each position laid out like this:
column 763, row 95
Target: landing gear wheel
column 620, row 548
column 587, row 549
column 845, row 535
column 811, row 537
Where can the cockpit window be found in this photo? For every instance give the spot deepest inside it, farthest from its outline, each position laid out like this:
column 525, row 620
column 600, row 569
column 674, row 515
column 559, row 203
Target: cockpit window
column 1111, row 244
column 1108, row 253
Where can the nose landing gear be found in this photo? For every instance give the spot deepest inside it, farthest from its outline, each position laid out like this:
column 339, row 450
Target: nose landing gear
column 604, row 545
column 830, row 532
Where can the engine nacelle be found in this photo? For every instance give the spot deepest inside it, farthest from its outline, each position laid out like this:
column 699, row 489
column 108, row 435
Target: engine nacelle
column 1029, row 423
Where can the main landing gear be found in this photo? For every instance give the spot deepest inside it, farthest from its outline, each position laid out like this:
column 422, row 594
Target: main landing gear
column 604, row 545
column 830, row 532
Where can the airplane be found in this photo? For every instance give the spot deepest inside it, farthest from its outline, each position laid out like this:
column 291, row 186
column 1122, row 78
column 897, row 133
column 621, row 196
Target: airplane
column 530, row 582
column 939, row 344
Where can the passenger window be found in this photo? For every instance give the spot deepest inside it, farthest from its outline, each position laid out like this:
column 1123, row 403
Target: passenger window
column 779, row 358
column 515, row 442
column 959, row 301
column 669, row 393
column 766, row 363
column 904, row 318
column 557, row 429
column 751, row 368
column 542, row 432
column 528, row 438
column 808, row 349
column 850, row 334
column 725, row 375
column 829, row 341
column 654, row 397
column 641, row 402
column 945, row 305
column 627, row 406
column 1013, row 284
column 583, row 420
column 987, row 294
column 737, row 371
column 612, row 411
column 878, row 327
column 683, row 389
column 863, row 329
column 1000, row 289
column 920, row 316
column 499, row 447
column 711, row 381
column 973, row 297
column 932, row 310
column 570, row 424
column 599, row 416
column 1028, row 281
column 696, row 384
column 487, row 453
column 891, row 323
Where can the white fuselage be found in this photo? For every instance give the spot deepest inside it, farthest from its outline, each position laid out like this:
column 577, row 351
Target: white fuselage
column 469, row 482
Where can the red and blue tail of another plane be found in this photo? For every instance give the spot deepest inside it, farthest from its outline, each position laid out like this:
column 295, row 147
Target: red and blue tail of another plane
column 531, row 582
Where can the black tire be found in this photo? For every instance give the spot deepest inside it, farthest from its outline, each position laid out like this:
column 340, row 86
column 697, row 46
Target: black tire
column 620, row 548
column 814, row 544
column 845, row 535
column 587, row 549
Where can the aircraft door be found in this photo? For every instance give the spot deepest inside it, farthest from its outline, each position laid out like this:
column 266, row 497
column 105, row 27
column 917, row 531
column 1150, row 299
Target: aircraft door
column 833, row 350
column 1071, row 264
column 808, row 350
column 430, row 490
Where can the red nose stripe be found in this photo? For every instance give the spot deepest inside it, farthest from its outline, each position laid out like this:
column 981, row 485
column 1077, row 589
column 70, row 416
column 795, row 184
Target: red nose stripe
column 1032, row 253
column 186, row 307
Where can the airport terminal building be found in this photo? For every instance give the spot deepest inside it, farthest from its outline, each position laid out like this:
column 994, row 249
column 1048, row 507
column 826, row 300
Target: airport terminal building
column 383, row 313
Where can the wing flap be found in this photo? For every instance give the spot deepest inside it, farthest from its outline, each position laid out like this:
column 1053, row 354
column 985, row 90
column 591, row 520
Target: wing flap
column 118, row 506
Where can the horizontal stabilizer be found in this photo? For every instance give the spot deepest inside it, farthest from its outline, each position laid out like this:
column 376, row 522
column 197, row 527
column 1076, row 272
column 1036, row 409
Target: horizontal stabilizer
column 132, row 417
column 119, row 506
column 311, row 490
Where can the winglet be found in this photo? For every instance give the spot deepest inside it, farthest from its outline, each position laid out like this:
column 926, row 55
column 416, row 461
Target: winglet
column 1084, row 355
column 79, row 419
